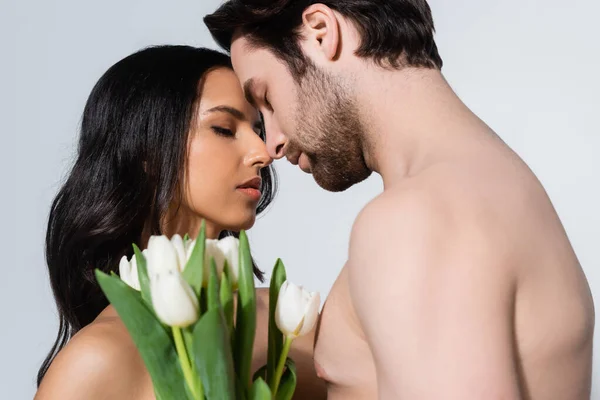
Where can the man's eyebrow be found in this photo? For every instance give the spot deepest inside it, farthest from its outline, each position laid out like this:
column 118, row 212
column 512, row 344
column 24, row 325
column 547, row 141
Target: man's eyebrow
column 237, row 114
column 249, row 92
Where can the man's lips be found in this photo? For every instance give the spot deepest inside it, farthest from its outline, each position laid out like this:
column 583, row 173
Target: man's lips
column 293, row 158
column 300, row 159
column 304, row 163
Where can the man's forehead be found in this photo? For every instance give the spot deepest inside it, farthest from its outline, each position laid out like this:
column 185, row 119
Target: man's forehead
column 240, row 52
column 249, row 61
column 241, row 44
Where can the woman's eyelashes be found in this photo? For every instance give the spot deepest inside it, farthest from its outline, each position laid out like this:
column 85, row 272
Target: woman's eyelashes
column 259, row 128
column 223, row 131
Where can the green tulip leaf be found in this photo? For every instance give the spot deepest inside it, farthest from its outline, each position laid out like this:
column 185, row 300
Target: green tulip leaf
column 260, row 390
column 142, row 268
column 213, row 357
column 226, row 295
column 154, row 343
column 246, row 314
column 214, row 302
column 278, row 277
column 287, row 386
column 194, row 269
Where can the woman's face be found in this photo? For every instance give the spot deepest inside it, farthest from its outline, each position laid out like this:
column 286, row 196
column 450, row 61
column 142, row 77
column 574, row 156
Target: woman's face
column 225, row 156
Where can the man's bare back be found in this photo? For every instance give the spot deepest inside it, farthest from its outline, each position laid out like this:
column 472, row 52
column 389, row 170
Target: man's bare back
column 524, row 315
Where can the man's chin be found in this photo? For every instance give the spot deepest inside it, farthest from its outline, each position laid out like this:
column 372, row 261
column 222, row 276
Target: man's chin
column 337, row 183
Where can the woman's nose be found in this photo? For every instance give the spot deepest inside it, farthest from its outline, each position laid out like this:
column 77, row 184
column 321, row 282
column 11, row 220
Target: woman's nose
column 258, row 156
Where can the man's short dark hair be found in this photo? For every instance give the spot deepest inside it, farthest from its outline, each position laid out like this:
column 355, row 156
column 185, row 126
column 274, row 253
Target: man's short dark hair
column 394, row 33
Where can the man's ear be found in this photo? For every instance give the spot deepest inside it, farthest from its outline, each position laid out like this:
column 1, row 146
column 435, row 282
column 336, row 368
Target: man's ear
column 320, row 32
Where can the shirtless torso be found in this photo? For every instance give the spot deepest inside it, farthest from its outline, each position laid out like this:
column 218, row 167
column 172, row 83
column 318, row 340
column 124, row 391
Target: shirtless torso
column 523, row 314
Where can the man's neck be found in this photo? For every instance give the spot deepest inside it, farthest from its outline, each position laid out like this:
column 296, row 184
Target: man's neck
column 414, row 120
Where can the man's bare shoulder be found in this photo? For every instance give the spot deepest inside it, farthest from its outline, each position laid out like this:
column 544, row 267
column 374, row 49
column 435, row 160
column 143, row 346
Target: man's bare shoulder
column 395, row 211
column 450, row 202
column 423, row 227
column 100, row 362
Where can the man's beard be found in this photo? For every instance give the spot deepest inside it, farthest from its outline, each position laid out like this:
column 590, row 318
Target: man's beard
column 330, row 131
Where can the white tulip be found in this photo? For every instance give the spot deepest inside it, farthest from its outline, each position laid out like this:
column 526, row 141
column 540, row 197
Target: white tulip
column 173, row 299
column 226, row 249
column 212, row 250
column 230, row 246
column 128, row 271
column 297, row 310
column 162, row 256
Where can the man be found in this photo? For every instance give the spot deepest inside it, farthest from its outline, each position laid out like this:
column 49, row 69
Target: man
column 460, row 281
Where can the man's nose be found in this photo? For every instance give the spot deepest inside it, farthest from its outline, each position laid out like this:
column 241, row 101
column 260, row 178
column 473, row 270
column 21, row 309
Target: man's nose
column 276, row 141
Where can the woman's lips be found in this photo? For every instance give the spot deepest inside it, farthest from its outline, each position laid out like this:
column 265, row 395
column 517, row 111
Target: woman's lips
column 254, row 194
column 251, row 188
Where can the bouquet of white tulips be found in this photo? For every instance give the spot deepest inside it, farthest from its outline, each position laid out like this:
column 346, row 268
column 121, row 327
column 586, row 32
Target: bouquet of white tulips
column 176, row 299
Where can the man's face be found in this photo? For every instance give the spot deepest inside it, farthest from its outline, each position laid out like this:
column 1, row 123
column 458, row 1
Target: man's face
column 313, row 121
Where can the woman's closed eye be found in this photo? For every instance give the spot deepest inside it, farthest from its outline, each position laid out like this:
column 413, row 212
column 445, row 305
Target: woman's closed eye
column 223, row 131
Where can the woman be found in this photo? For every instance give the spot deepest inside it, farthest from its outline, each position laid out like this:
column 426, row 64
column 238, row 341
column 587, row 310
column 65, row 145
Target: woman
column 167, row 139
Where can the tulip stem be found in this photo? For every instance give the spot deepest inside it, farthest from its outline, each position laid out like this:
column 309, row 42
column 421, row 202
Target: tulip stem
column 280, row 365
column 192, row 381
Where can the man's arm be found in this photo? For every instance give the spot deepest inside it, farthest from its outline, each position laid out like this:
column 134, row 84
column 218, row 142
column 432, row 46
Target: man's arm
column 435, row 301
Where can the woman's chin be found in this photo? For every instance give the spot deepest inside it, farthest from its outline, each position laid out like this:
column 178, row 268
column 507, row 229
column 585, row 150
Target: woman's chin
column 243, row 224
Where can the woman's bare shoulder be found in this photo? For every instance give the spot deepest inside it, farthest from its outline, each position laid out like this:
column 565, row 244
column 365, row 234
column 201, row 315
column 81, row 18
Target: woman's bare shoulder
column 100, row 362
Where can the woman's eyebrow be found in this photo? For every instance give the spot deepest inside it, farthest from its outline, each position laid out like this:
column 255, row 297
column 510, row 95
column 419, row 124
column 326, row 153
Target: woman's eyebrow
column 237, row 114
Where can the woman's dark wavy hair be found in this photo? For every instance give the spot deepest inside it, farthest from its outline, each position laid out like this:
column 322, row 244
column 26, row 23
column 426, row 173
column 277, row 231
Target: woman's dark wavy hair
column 130, row 164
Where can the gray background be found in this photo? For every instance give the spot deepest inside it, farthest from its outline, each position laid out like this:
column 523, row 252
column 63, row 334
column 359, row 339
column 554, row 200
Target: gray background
column 527, row 67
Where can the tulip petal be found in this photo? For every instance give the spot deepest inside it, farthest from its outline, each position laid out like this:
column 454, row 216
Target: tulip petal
column 288, row 312
column 177, row 243
column 212, row 250
column 311, row 314
column 125, row 271
column 135, row 281
column 230, row 247
column 162, row 256
column 297, row 310
column 173, row 299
